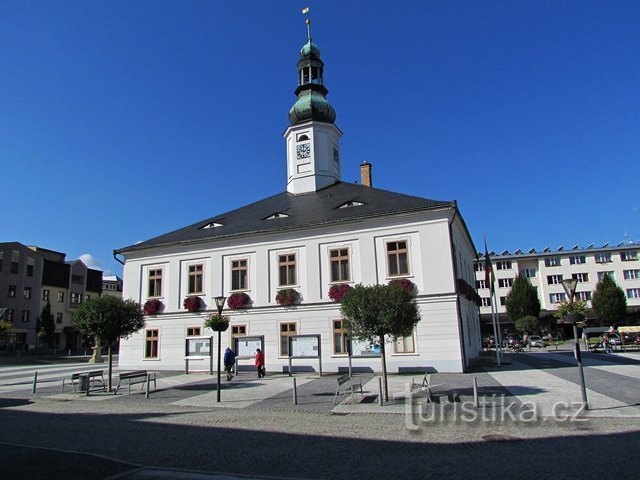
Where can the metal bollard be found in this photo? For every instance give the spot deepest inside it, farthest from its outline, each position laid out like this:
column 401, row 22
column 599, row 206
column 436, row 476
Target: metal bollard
column 69, row 352
column 146, row 393
column 380, row 399
column 35, row 381
column 295, row 391
column 476, row 401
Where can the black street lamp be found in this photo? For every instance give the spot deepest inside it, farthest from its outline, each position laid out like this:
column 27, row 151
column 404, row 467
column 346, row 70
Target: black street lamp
column 569, row 285
column 220, row 305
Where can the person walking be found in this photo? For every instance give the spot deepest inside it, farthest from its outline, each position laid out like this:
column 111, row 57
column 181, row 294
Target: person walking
column 605, row 343
column 229, row 362
column 260, row 363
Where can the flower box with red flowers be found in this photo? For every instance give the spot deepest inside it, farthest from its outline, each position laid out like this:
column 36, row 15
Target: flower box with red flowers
column 287, row 297
column 192, row 304
column 153, row 306
column 404, row 283
column 238, row 300
column 336, row 292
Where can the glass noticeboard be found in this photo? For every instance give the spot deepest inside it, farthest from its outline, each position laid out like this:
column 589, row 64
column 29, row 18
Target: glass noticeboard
column 363, row 348
column 247, row 346
column 199, row 347
column 304, row 346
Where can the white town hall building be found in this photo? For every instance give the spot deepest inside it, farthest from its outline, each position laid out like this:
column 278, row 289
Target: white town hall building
column 320, row 232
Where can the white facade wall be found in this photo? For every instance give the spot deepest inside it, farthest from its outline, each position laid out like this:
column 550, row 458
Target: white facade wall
column 448, row 321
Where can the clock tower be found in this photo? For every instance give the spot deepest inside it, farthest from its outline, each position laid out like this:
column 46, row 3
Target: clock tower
column 313, row 141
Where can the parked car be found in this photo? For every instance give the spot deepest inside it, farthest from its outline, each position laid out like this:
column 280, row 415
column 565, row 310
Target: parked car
column 536, row 341
column 614, row 338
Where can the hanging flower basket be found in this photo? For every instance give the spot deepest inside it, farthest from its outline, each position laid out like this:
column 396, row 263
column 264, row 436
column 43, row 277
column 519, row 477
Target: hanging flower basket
column 151, row 307
column 217, row 322
column 287, row 297
column 192, row 304
column 336, row 292
column 405, row 283
column 238, row 300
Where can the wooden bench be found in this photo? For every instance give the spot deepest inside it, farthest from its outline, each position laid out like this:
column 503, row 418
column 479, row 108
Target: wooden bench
column 347, row 384
column 138, row 376
column 92, row 377
column 424, row 386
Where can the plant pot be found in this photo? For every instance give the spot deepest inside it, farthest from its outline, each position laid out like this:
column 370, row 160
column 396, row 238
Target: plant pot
column 220, row 327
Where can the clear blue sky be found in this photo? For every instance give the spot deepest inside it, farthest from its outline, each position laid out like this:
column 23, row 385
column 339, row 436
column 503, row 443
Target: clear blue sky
column 121, row 120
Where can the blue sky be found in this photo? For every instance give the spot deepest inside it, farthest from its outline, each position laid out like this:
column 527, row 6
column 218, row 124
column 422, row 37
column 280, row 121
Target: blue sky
column 121, row 121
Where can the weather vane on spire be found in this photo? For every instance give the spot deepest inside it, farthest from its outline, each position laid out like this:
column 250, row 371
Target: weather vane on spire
column 305, row 11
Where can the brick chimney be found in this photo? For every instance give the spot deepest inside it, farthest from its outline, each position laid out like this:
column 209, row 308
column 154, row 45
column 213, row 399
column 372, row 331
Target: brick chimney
column 365, row 174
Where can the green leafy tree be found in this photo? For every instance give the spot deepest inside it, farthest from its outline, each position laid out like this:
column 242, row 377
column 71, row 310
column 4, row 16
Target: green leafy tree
column 108, row 318
column 608, row 302
column 45, row 325
column 379, row 314
column 527, row 324
column 5, row 326
column 522, row 300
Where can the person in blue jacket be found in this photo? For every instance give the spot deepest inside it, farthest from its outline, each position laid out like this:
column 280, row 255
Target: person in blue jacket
column 229, row 361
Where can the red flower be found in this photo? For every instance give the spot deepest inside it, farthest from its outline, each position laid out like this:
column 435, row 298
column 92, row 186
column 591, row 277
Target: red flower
column 287, row 297
column 193, row 303
column 151, row 307
column 405, row 283
column 336, row 292
column 238, row 300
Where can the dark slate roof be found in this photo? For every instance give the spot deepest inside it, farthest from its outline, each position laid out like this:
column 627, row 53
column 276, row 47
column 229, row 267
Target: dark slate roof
column 300, row 211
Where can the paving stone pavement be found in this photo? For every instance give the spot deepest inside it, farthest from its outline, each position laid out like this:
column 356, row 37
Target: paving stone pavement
column 257, row 432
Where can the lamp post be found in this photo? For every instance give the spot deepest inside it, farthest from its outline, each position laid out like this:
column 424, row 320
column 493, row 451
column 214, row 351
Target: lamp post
column 220, row 305
column 569, row 285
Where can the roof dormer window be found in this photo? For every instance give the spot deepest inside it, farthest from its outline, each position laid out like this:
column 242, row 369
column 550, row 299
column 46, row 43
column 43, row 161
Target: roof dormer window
column 212, row 225
column 351, row 203
column 277, row 215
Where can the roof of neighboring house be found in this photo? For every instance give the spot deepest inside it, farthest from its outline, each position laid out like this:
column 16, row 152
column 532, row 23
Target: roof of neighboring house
column 340, row 202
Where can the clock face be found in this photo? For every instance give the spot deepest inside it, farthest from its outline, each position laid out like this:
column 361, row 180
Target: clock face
column 303, row 151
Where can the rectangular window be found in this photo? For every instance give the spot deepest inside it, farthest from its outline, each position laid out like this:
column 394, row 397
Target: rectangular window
column 503, row 301
column 60, row 297
column 25, row 315
column 196, row 279
column 87, row 298
column 629, row 255
column 557, row 297
column 404, row 345
column 503, row 265
column 12, row 291
column 79, row 279
column 577, row 260
column 397, row 258
column 59, row 317
column 583, row 296
column 76, row 298
column 45, row 295
column 479, row 265
column 581, row 277
column 30, row 263
column 339, row 338
column 10, row 315
column 238, row 331
column 505, row 282
column 27, row 292
column 155, row 283
column 631, row 274
column 611, row 275
column 151, row 344
column 480, row 284
column 239, row 273
column 633, row 292
column 528, row 272
column 340, row 271
column 552, row 262
column 193, row 331
column 486, row 302
column 604, row 257
column 554, row 279
column 15, row 261
column 286, row 331
column 287, row 269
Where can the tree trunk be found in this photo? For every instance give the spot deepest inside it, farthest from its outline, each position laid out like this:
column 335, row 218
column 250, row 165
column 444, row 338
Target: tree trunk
column 383, row 358
column 110, row 370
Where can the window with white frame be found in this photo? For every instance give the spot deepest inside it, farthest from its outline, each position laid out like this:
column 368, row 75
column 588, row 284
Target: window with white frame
column 552, row 262
column 76, row 298
column 503, row 301
column 581, row 277
column 30, row 263
column 557, row 297
column 631, row 274
column 45, row 295
column 577, row 260
column 528, row 272
column 339, row 338
column 339, row 264
column 611, row 275
column 479, row 265
column 404, row 345
column 554, row 279
column 486, row 301
column 238, row 331
column 25, row 315
column 629, row 255
column 239, row 274
column 60, row 296
column 286, row 330
column 583, row 296
column 503, row 265
column 633, row 292
column 505, row 282
column 59, row 316
column 12, row 291
column 603, row 257
column 154, row 283
column 196, row 279
column 481, row 284
column 287, row 274
column 152, row 342
column 27, row 292
column 194, row 331
column 397, row 258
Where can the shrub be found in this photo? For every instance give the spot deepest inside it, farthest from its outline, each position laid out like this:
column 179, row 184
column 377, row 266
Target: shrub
column 404, row 283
